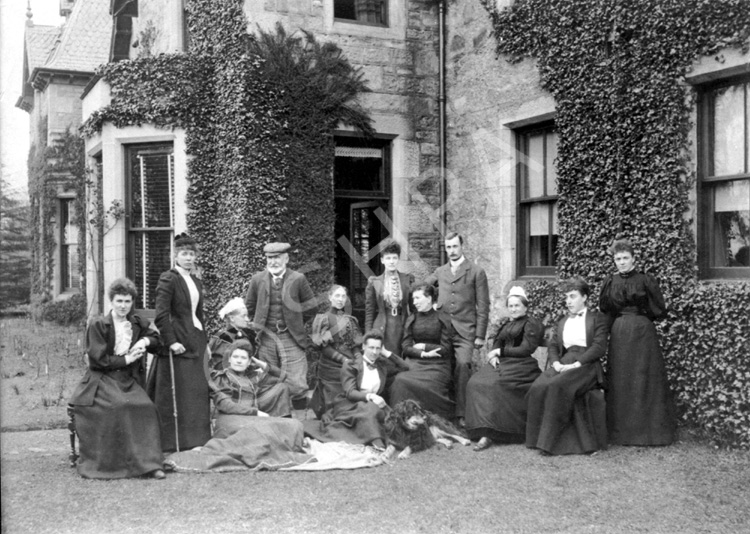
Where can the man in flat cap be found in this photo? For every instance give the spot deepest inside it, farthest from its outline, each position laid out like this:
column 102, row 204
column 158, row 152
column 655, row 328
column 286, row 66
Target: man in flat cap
column 282, row 301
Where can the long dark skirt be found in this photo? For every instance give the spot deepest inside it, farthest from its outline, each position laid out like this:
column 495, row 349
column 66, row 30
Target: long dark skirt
column 429, row 382
column 496, row 400
column 351, row 422
column 119, row 433
column 640, row 407
column 193, row 407
column 327, row 388
column 558, row 421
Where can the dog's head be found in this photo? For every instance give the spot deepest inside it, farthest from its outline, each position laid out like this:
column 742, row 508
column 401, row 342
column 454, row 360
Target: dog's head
column 410, row 414
column 406, row 424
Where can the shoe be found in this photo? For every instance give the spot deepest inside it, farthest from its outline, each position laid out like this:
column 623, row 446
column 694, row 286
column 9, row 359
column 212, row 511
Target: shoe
column 158, row 474
column 483, row 443
column 461, row 422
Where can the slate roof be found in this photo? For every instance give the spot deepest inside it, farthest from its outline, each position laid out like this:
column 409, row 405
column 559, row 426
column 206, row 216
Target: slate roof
column 40, row 41
column 85, row 39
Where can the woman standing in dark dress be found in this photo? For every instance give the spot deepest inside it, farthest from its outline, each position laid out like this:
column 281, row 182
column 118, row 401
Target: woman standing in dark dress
column 337, row 335
column 496, row 395
column 115, row 420
column 640, row 408
column 180, row 377
column 428, row 347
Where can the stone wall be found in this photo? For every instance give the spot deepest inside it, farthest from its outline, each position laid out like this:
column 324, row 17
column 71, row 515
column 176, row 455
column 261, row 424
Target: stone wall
column 486, row 95
column 400, row 64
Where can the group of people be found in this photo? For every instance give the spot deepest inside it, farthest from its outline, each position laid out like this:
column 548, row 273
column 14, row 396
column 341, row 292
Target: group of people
column 419, row 342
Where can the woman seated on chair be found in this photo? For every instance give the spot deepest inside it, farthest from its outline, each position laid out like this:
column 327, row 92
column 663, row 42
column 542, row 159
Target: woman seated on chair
column 496, row 395
column 427, row 346
column 558, row 421
column 116, row 422
column 337, row 335
column 237, row 325
column 245, row 387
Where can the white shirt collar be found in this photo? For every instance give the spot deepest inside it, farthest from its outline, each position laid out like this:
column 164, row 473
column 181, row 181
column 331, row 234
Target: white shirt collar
column 277, row 276
column 458, row 262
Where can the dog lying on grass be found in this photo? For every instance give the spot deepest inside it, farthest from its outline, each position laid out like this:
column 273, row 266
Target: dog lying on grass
column 411, row 429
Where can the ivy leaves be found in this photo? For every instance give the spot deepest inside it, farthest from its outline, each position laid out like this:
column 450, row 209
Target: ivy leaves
column 615, row 70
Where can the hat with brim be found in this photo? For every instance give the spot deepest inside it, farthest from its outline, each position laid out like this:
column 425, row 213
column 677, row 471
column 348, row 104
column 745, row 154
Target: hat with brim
column 274, row 249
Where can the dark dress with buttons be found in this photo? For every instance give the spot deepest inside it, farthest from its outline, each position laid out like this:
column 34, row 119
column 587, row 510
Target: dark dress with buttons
column 429, row 380
column 116, row 422
column 496, row 398
column 640, row 407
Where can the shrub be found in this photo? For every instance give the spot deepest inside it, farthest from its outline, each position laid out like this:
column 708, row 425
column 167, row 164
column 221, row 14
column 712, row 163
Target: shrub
column 71, row 311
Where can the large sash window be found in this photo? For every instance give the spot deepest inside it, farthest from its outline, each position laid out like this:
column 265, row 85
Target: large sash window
column 537, row 201
column 150, row 216
column 724, row 244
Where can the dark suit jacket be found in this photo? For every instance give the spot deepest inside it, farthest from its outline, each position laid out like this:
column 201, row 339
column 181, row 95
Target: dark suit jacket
column 464, row 297
column 100, row 351
column 299, row 304
column 597, row 334
column 375, row 304
column 351, row 375
column 174, row 316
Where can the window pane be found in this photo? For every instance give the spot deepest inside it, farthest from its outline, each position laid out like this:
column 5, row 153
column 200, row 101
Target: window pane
column 369, row 11
column 550, row 164
column 69, row 268
column 151, row 253
column 358, row 168
column 534, row 185
column 730, row 144
column 731, row 223
column 151, row 202
column 541, row 246
column 539, row 219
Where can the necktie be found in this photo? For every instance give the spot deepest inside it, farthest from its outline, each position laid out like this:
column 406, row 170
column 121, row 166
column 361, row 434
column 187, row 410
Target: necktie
column 574, row 315
column 277, row 281
column 369, row 364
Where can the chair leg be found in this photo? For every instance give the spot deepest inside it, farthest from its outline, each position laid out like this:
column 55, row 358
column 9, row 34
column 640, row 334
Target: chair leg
column 73, row 456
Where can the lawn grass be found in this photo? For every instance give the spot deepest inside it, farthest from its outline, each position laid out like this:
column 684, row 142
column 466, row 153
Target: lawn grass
column 685, row 488
column 40, row 366
column 688, row 487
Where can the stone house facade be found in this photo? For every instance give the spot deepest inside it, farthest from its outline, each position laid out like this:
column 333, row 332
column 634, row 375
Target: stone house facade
column 498, row 124
column 58, row 62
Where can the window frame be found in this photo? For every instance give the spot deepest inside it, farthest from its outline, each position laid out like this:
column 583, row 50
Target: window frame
column 386, row 16
column 65, row 274
column 523, row 230
column 157, row 147
column 706, row 180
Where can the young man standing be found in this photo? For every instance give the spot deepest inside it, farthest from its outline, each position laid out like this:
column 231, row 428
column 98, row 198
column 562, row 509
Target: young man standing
column 464, row 295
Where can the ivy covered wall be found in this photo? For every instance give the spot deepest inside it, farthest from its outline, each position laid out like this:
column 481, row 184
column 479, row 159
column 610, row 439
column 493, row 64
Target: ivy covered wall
column 54, row 169
column 259, row 113
column 616, row 72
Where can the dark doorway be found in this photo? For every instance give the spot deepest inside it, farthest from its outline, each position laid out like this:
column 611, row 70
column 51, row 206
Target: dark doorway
column 362, row 202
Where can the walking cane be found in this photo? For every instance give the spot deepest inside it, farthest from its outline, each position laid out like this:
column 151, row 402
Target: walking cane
column 174, row 402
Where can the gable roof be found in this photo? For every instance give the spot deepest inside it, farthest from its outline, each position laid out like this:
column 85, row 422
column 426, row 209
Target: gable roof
column 39, row 43
column 85, row 40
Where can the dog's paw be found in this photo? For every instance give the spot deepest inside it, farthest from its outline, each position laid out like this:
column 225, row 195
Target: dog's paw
column 463, row 441
column 403, row 455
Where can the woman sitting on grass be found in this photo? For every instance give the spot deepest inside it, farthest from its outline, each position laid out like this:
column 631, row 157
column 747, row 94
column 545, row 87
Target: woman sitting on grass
column 116, row 422
column 245, row 387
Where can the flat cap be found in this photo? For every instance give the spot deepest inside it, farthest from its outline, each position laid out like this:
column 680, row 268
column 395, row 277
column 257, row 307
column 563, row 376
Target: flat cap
column 273, row 249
